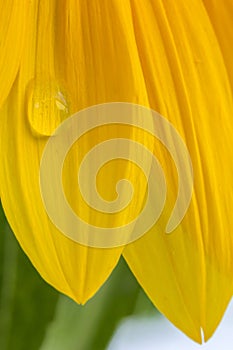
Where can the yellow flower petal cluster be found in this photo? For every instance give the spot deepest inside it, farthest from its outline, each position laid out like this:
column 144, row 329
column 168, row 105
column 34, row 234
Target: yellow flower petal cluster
column 172, row 56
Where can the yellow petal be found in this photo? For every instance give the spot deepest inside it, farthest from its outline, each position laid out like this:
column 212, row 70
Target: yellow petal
column 220, row 15
column 188, row 273
column 13, row 16
column 70, row 61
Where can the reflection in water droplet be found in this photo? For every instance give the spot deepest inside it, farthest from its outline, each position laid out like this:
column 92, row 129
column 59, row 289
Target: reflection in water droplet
column 47, row 106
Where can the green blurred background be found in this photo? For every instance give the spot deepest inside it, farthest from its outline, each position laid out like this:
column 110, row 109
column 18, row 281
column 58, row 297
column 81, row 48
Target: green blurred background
column 35, row 316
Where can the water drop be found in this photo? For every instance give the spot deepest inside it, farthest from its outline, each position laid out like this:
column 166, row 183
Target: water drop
column 47, row 106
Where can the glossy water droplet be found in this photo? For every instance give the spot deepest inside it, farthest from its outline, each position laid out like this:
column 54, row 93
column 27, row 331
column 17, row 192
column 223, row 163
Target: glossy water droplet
column 47, row 106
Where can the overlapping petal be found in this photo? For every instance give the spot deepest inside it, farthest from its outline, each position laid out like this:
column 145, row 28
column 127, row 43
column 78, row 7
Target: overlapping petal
column 187, row 274
column 67, row 47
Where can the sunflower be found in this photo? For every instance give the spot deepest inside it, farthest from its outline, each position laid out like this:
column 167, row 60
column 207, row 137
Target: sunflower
column 59, row 57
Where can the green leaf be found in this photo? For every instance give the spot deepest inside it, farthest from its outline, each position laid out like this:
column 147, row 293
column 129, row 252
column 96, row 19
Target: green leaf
column 27, row 303
column 91, row 326
column 144, row 306
column 8, row 282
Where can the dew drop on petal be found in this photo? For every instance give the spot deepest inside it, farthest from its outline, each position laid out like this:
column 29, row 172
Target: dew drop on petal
column 47, row 106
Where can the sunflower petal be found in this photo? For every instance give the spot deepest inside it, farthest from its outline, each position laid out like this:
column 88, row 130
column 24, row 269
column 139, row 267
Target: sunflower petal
column 13, row 16
column 221, row 14
column 187, row 274
column 63, row 51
